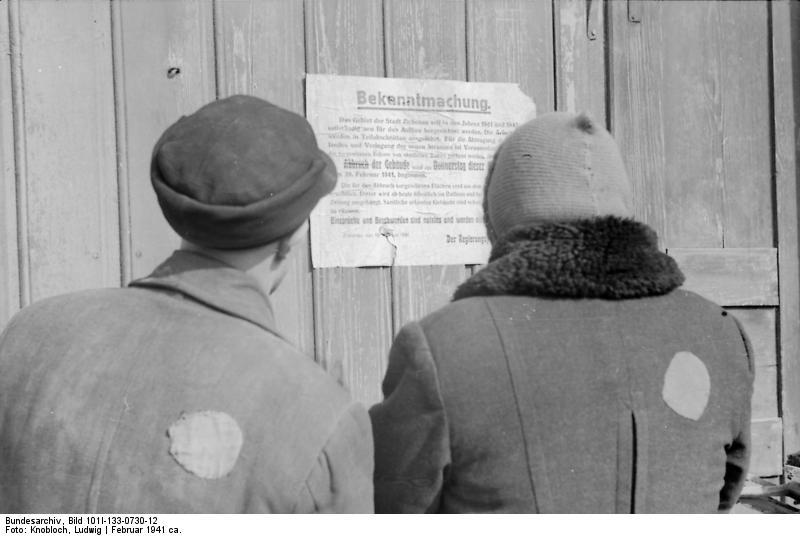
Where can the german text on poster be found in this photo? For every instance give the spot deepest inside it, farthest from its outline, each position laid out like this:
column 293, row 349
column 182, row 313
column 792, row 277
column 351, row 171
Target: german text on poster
column 412, row 157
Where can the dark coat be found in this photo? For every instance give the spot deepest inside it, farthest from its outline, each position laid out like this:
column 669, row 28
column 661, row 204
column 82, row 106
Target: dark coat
column 570, row 375
column 175, row 395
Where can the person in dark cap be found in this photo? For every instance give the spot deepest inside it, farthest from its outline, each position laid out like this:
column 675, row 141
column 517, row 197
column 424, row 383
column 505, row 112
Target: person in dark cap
column 571, row 373
column 177, row 394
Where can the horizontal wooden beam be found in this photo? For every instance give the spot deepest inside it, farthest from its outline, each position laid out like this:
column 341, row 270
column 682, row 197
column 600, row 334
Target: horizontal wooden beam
column 730, row 276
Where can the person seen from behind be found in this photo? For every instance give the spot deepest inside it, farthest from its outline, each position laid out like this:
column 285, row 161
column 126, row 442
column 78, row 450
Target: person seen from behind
column 177, row 394
column 571, row 374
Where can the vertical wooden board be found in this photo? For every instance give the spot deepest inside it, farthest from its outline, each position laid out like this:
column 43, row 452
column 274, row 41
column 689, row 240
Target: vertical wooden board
column 745, row 96
column 760, row 326
column 9, row 272
column 354, row 327
column 512, row 41
column 666, row 90
column 261, row 52
column 683, row 77
column 353, row 315
column 580, row 57
column 730, row 276
column 344, row 37
column 785, row 20
column 691, row 89
column 766, row 458
column 73, row 228
column 636, row 112
column 178, row 35
column 424, row 40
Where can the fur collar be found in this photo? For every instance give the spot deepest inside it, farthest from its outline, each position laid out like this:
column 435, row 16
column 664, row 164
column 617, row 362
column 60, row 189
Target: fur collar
column 609, row 258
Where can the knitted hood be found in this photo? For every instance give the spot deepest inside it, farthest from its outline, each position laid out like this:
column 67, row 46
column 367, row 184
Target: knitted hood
column 609, row 258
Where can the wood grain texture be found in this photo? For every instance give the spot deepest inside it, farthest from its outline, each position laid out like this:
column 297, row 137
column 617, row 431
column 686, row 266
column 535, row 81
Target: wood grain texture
column 766, row 458
column 636, row 114
column 730, row 276
column 424, row 40
column 345, row 37
column 353, row 314
column 512, row 41
column 580, row 57
column 178, row 34
column 72, row 227
column 785, row 18
column 760, row 326
column 690, row 90
column 691, row 111
column 260, row 49
column 668, row 112
column 9, row 262
column 746, row 123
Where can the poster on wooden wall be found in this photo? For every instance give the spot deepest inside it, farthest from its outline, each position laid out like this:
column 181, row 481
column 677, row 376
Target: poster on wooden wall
column 412, row 156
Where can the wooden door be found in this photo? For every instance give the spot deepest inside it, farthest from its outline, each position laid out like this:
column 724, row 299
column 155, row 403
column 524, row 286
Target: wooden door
column 701, row 96
column 692, row 111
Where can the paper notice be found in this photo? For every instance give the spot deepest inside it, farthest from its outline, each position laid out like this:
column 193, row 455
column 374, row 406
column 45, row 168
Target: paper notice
column 412, row 157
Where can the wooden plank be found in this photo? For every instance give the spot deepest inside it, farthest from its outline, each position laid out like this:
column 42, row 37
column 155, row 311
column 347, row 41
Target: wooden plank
column 512, row 41
column 179, row 35
column 73, row 227
column 261, row 52
column 768, row 496
column 581, row 57
column 424, row 40
column 697, row 92
column 785, row 20
column 745, row 120
column 9, row 267
column 767, row 453
column 760, row 326
column 762, row 505
column 730, row 276
column 353, row 315
column 668, row 114
column 636, row 114
column 693, row 123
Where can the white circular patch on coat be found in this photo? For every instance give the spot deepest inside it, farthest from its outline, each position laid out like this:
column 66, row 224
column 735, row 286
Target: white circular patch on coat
column 687, row 385
column 205, row 443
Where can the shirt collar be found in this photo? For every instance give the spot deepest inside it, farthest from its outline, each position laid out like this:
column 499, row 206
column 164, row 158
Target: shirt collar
column 214, row 284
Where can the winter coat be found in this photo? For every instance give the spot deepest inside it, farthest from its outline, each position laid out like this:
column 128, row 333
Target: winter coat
column 569, row 375
column 174, row 395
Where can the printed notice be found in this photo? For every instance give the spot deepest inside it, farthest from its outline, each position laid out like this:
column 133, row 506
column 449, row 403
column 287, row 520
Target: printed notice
column 412, row 157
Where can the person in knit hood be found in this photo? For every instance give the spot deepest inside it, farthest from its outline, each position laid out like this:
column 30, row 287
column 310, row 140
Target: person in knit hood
column 178, row 394
column 571, row 373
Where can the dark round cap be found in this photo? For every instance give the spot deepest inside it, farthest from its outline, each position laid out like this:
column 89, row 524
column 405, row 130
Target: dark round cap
column 239, row 173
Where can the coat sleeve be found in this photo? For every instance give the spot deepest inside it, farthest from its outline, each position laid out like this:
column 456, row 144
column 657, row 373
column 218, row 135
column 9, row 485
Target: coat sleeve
column 412, row 450
column 738, row 451
column 341, row 479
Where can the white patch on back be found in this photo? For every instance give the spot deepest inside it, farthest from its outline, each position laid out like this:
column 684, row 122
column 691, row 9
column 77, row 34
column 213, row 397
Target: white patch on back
column 205, row 443
column 687, row 386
